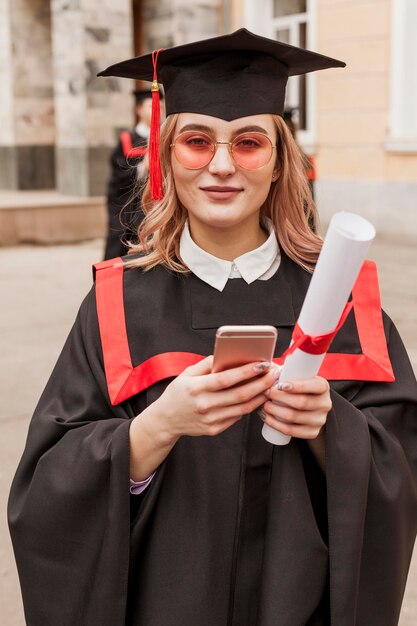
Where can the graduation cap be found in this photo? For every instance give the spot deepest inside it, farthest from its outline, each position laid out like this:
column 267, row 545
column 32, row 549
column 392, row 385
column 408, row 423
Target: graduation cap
column 141, row 95
column 230, row 76
column 144, row 94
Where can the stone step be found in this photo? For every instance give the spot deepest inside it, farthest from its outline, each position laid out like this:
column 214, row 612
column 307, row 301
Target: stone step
column 48, row 217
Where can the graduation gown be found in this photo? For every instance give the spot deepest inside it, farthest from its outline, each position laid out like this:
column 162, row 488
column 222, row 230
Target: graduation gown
column 123, row 208
column 232, row 531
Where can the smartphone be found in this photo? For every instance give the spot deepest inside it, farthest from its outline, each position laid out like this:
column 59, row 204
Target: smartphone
column 237, row 345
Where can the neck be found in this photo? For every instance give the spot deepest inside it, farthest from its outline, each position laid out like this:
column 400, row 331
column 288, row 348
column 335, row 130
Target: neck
column 230, row 242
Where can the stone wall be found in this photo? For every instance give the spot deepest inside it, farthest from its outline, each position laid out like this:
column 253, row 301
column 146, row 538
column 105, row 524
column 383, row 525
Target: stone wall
column 27, row 125
column 175, row 22
column 55, row 114
column 58, row 121
column 89, row 35
column 7, row 130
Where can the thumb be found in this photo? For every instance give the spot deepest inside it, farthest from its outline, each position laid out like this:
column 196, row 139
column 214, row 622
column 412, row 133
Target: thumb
column 199, row 369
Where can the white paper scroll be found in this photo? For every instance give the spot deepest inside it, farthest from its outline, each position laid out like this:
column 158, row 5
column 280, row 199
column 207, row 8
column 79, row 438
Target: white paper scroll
column 343, row 253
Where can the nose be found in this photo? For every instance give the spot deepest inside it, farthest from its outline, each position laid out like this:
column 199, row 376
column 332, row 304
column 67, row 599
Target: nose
column 222, row 163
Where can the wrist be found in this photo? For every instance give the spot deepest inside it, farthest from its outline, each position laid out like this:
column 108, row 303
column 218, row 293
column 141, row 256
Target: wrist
column 156, row 427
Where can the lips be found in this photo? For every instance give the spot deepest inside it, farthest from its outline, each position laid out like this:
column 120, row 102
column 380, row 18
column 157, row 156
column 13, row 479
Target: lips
column 220, row 189
column 218, row 193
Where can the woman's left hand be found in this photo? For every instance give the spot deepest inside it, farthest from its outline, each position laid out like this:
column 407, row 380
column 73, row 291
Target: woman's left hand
column 298, row 408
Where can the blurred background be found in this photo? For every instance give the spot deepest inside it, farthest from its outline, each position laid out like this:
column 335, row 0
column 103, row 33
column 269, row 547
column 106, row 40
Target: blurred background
column 59, row 124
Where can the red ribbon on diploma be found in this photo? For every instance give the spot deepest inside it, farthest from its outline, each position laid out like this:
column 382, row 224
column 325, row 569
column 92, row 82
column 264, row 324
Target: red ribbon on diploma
column 318, row 344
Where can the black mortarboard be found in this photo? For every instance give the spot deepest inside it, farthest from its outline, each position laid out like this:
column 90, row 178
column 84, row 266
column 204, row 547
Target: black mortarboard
column 228, row 77
column 141, row 95
column 231, row 76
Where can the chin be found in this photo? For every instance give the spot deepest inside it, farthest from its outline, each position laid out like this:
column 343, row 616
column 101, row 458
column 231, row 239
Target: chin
column 222, row 221
column 222, row 212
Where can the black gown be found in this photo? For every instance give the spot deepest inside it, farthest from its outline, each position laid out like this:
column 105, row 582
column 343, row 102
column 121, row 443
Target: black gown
column 232, row 530
column 123, row 204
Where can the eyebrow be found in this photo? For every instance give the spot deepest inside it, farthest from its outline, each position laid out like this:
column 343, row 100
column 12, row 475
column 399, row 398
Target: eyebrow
column 207, row 129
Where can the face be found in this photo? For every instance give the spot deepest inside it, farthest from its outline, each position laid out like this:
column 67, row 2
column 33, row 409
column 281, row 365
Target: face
column 223, row 194
column 144, row 111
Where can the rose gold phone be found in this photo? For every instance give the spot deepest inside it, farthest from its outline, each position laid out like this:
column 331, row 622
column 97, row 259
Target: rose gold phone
column 237, row 345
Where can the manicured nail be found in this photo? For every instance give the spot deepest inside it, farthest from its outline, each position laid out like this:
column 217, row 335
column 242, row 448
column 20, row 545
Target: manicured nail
column 277, row 373
column 284, row 386
column 262, row 367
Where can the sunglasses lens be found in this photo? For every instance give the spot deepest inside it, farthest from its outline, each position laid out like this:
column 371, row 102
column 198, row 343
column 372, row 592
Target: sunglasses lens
column 251, row 150
column 193, row 150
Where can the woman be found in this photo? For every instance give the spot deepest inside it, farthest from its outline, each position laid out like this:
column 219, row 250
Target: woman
column 221, row 527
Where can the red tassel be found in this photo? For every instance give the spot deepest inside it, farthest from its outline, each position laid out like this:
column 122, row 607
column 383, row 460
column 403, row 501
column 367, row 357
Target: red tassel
column 155, row 174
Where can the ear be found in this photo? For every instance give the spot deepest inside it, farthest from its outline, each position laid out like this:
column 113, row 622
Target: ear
column 275, row 174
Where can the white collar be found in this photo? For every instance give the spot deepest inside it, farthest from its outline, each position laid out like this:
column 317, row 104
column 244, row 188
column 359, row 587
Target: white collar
column 143, row 130
column 216, row 272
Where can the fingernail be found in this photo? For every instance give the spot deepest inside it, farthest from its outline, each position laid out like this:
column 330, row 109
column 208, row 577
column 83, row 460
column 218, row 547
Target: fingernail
column 262, row 367
column 284, row 386
column 277, row 373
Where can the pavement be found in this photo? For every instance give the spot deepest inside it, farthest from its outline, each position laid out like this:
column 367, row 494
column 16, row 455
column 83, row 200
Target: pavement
column 41, row 288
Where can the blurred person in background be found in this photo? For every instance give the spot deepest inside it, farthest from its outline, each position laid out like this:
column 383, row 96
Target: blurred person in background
column 129, row 171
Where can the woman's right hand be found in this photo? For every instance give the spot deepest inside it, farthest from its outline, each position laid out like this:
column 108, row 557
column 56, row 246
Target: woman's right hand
column 195, row 403
column 199, row 402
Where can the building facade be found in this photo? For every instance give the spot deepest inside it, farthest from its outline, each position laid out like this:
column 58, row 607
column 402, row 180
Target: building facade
column 58, row 122
column 360, row 122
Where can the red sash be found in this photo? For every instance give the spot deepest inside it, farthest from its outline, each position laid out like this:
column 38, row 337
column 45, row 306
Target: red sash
column 311, row 172
column 124, row 380
column 128, row 150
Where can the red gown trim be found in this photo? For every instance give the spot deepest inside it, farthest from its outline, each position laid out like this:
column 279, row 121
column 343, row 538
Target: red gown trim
column 124, row 380
column 128, row 150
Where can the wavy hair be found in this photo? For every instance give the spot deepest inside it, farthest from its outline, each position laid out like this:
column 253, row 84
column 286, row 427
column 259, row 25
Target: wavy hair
column 289, row 205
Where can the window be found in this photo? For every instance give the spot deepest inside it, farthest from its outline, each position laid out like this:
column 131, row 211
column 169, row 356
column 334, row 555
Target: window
column 403, row 105
column 290, row 21
column 282, row 8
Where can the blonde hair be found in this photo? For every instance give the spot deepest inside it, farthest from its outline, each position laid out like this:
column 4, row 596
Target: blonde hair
column 289, row 205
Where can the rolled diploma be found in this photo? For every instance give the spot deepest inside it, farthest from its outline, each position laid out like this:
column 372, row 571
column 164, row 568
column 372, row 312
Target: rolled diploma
column 344, row 250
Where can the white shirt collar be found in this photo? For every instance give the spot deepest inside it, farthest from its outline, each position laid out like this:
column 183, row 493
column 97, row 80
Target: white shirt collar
column 143, row 130
column 216, row 272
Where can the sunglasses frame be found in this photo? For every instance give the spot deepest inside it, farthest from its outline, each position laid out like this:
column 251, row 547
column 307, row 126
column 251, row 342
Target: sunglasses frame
column 230, row 147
